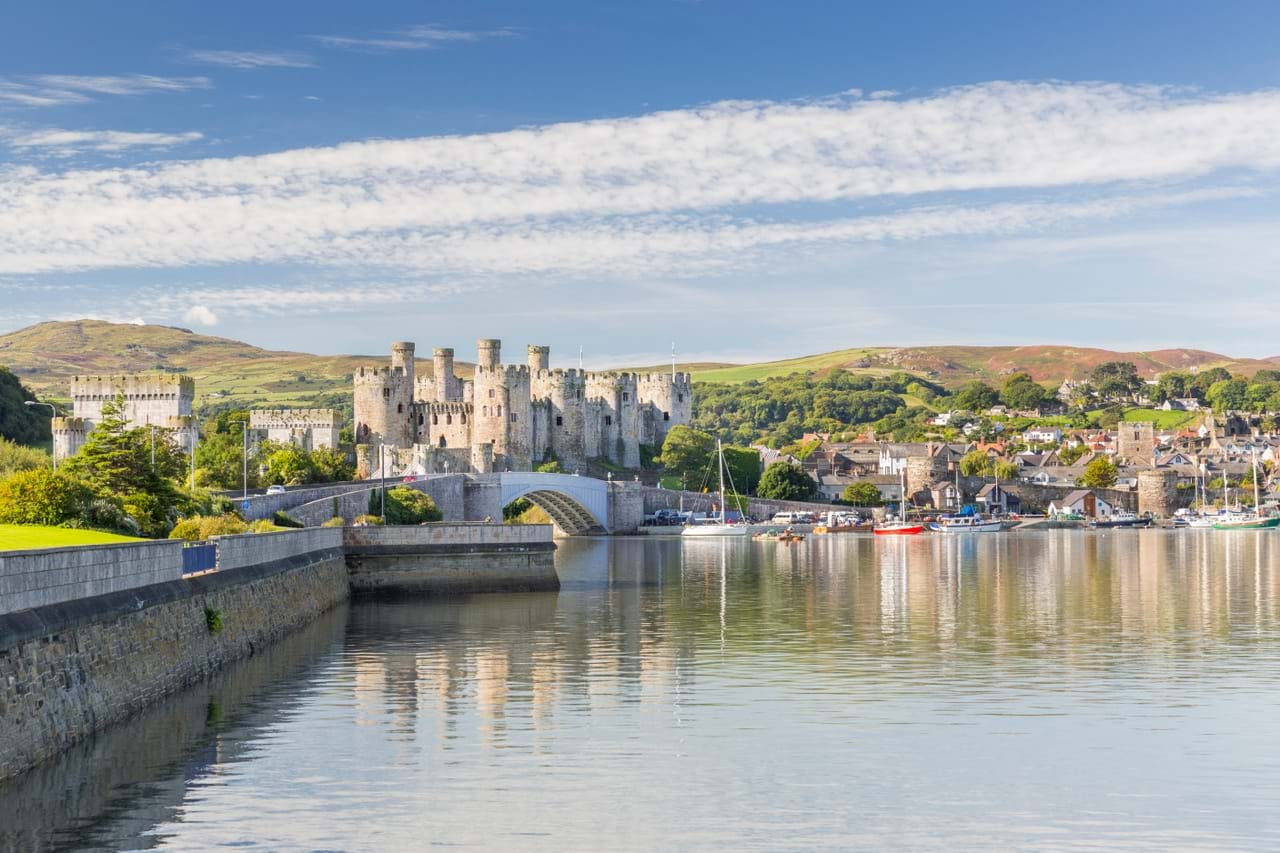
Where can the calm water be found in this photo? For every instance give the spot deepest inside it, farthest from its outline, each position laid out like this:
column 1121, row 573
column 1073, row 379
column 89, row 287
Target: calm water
column 1061, row 690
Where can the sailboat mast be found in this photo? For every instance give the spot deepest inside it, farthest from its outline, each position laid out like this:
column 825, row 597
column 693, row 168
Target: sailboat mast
column 720, row 470
column 1253, row 472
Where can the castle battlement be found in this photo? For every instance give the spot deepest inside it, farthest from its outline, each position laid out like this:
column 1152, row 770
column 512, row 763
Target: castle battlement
column 71, row 425
column 293, row 418
column 149, row 386
column 519, row 412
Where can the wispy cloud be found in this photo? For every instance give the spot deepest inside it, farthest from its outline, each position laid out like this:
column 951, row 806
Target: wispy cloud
column 669, row 193
column 248, row 60
column 421, row 37
column 52, row 90
column 68, row 141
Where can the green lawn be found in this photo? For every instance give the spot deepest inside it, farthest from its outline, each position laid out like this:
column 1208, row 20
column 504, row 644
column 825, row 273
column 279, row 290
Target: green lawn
column 1162, row 419
column 18, row 537
column 765, row 370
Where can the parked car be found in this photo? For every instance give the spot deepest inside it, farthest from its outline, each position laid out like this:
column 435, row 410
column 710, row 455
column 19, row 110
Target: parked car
column 275, row 490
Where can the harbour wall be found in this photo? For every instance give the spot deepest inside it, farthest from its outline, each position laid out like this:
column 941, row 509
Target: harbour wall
column 71, row 667
column 450, row 559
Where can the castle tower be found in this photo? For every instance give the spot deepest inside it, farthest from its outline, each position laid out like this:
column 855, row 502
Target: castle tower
column 490, row 353
column 446, row 383
column 1136, row 443
column 566, row 416
column 539, row 358
column 402, row 358
column 384, row 401
column 69, row 435
column 616, row 410
column 669, row 398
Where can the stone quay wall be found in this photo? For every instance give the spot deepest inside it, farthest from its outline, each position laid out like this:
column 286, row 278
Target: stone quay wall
column 38, row 578
column 450, row 559
column 71, row 668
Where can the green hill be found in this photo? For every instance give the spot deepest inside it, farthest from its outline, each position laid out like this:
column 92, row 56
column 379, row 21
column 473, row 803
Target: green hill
column 47, row 355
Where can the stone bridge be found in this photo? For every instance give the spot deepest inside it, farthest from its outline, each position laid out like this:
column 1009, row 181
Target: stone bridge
column 577, row 505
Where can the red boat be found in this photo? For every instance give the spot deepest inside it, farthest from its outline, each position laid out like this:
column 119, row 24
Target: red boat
column 899, row 528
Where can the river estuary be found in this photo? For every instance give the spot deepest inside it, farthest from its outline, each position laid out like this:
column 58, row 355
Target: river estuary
column 1056, row 690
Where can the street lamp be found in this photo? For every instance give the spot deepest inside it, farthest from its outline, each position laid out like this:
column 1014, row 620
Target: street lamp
column 53, row 413
column 245, row 495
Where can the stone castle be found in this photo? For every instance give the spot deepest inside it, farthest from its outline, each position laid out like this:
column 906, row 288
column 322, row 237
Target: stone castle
column 160, row 400
column 310, row 429
column 509, row 417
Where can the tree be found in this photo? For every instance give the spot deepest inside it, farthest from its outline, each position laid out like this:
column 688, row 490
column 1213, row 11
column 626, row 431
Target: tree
column 1005, row 470
column 742, row 468
column 287, row 465
column 1023, row 393
column 1069, row 455
column 15, row 457
column 862, row 493
column 41, row 496
column 976, row 463
column 220, row 454
column 1101, row 473
column 1228, row 395
column 410, row 506
column 141, row 466
column 687, row 453
column 977, row 396
column 1116, row 379
column 784, row 481
column 19, row 422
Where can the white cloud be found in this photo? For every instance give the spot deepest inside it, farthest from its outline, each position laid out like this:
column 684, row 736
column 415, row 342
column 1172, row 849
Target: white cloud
column 200, row 315
column 671, row 192
column 52, row 90
column 68, row 141
column 422, row 37
column 248, row 60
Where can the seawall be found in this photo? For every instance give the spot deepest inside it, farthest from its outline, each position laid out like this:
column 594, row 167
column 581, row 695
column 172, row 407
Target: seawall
column 70, row 667
column 450, row 559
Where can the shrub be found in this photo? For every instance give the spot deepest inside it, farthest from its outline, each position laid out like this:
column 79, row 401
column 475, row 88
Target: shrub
column 283, row 519
column 336, row 521
column 198, row 528
column 40, row 496
column 15, row 457
column 262, row 525
column 368, row 521
column 213, row 619
column 410, row 506
column 187, row 528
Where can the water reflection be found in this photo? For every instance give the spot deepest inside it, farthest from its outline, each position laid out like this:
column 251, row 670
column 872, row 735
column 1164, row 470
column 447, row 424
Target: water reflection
column 1046, row 690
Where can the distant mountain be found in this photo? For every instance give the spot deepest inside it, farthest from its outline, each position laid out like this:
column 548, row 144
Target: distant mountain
column 47, row 355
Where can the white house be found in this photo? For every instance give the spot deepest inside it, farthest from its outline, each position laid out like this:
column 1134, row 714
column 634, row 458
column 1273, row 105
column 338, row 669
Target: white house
column 1042, row 435
column 1081, row 502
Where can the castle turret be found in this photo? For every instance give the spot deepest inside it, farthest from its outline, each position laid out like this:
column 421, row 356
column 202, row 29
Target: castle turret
column 384, row 401
column 402, row 359
column 669, row 399
column 69, row 435
column 616, row 410
column 490, row 353
column 539, row 358
column 445, row 383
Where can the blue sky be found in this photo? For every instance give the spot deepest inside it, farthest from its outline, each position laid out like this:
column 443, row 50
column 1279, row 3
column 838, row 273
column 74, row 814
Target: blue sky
column 746, row 179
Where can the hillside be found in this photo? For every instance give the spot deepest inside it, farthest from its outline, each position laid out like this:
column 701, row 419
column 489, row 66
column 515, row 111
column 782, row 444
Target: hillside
column 47, row 355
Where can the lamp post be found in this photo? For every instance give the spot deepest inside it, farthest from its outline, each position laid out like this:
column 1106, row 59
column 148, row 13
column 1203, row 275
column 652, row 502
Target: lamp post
column 245, row 450
column 53, row 413
column 382, row 478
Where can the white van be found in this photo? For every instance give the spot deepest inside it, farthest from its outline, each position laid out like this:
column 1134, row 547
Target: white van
column 787, row 517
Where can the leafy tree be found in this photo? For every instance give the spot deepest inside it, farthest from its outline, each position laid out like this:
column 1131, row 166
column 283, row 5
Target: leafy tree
column 141, row 466
column 786, row 482
column 287, row 465
column 742, row 468
column 21, row 423
column 1116, row 380
column 1267, row 375
column 1069, row 455
column 331, row 465
column 1023, row 393
column 40, row 496
column 1101, row 473
column 552, row 467
column 1228, row 395
column 1005, row 470
column 862, row 493
column 410, row 506
column 976, row 463
column 687, row 453
column 220, row 453
column 1204, row 380
column 976, row 396
column 15, row 457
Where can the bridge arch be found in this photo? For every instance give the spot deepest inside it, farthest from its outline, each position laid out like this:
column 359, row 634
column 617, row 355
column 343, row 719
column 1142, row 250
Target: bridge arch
column 577, row 505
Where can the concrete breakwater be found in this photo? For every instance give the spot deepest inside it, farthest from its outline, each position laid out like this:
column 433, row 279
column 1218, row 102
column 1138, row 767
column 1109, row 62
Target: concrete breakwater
column 98, row 638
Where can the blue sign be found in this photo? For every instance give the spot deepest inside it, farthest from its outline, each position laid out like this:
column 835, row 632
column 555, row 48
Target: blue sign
column 244, row 504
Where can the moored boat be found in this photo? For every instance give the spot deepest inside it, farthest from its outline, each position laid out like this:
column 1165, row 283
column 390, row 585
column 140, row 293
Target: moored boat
column 966, row 524
column 1121, row 518
column 720, row 526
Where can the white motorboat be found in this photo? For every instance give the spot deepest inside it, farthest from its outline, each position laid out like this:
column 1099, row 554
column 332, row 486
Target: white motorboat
column 966, row 524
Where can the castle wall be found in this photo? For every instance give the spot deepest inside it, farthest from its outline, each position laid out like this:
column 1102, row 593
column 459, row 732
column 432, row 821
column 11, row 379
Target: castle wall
column 310, row 429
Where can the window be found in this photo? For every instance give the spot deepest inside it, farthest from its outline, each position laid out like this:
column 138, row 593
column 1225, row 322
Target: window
column 559, row 420
column 420, row 420
column 490, row 393
column 513, row 417
column 386, row 393
column 442, row 441
column 608, row 420
column 400, row 408
column 464, row 417
column 499, row 410
column 448, row 419
column 679, row 398
column 625, row 396
column 435, row 419
column 666, row 416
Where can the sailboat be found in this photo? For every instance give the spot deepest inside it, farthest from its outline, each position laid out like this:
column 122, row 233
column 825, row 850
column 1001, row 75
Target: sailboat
column 900, row 526
column 1202, row 519
column 722, row 527
column 1238, row 519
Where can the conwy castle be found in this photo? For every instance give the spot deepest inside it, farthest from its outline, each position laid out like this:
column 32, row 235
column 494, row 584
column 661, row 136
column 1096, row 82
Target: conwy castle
column 508, row 417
